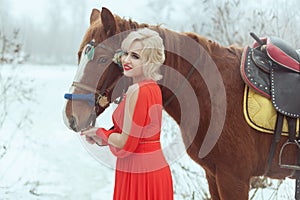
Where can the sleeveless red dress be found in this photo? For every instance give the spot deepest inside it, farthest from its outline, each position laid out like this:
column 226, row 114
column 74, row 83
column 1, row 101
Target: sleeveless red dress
column 142, row 172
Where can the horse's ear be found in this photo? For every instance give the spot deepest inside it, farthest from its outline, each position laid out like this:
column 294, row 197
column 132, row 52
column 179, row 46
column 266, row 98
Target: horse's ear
column 108, row 21
column 95, row 15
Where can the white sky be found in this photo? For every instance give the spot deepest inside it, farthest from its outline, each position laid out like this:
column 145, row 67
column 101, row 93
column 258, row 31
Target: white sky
column 138, row 10
column 124, row 8
column 28, row 7
column 35, row 9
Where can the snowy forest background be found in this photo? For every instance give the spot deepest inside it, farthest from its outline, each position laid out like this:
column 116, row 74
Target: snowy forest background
column 39, row 157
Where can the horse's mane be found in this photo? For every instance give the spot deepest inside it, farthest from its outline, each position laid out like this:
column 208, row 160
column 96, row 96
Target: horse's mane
column 171, row 38
column 216, row 50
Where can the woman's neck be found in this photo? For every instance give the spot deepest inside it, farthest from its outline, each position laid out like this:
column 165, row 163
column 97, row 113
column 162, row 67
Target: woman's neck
column 139, row 79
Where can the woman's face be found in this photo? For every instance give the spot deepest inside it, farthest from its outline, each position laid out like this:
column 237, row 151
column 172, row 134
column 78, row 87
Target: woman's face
column 132, row 60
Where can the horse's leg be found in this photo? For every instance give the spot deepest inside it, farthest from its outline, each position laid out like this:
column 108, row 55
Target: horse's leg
column 232, row 186
column 213, row 189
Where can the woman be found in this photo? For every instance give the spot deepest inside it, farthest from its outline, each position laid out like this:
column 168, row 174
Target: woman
column 142, row 172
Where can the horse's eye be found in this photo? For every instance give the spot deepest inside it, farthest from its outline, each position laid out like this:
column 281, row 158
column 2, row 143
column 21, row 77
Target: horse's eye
column 102, row 60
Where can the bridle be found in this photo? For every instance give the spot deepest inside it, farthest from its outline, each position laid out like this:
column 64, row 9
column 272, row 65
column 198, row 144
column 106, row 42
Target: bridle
column 97, row 98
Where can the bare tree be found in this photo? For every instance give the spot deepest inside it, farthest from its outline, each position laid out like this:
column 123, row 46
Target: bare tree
column 12, row 89
column 230, row 21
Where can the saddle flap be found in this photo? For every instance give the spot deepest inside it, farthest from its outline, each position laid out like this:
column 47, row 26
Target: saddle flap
column 283, row 54
column 285, row 87
column 254, row 76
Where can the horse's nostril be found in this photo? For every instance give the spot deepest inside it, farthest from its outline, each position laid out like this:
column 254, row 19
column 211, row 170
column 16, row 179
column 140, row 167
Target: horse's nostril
column 73, row 124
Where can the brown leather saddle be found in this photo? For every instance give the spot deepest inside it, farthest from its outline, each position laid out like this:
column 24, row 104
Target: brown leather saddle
column 272, row 68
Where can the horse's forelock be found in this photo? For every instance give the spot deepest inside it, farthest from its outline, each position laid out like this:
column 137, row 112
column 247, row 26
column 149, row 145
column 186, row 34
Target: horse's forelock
column 95, row 31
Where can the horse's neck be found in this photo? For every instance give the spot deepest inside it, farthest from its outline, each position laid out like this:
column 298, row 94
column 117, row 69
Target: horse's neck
column 184, row 57
column 200, row 52
column 205, row 56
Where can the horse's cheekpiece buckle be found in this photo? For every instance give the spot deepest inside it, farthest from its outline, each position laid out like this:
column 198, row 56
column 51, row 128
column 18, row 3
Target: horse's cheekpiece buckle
column 102, row 100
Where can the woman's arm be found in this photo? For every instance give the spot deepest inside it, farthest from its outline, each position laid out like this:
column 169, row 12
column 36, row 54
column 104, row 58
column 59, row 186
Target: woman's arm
column 119, row 140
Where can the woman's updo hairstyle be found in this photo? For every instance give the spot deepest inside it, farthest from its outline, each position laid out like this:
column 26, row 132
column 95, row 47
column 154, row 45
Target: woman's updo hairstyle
column 153, row 51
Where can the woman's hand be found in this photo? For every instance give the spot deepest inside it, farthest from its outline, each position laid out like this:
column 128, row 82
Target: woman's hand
column 91, row 137
column 90, row 140
column 90, row 132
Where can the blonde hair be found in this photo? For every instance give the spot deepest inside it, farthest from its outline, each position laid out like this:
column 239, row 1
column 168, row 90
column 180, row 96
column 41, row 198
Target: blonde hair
column 153, row 55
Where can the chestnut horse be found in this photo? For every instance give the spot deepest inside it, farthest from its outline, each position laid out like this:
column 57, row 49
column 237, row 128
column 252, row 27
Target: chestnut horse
column 236, row 154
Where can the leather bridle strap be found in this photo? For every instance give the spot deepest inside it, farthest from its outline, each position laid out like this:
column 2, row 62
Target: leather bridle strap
column 93, row 90
column 85, row 87
column 106, row 47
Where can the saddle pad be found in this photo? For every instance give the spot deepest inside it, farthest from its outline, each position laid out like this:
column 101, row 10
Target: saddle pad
column 260, row 113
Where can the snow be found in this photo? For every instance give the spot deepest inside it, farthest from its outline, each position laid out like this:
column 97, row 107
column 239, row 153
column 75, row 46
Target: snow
column 45, row 160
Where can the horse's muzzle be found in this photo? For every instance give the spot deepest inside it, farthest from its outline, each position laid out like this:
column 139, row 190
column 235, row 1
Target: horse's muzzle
column 73, row 124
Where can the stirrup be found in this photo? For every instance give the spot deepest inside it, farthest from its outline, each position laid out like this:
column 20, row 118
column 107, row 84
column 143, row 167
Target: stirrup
column 286, row 166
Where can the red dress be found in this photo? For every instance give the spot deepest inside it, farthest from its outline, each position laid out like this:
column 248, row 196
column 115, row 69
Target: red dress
column 142, row 172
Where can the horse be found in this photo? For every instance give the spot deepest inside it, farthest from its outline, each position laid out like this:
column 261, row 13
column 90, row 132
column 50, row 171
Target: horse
column 232, row 157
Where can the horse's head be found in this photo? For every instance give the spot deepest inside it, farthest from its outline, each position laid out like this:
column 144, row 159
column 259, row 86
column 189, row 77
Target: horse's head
column 99, row 80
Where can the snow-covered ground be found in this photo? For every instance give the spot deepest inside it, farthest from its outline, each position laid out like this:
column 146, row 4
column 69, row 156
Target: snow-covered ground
column 44, row 160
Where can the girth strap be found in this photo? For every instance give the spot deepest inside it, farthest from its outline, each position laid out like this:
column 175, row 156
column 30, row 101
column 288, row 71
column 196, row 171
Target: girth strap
column 275, row 140
column 292, row 128
column 297, row 174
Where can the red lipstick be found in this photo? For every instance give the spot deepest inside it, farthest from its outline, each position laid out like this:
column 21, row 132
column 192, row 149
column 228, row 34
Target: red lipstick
column 126, row 67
